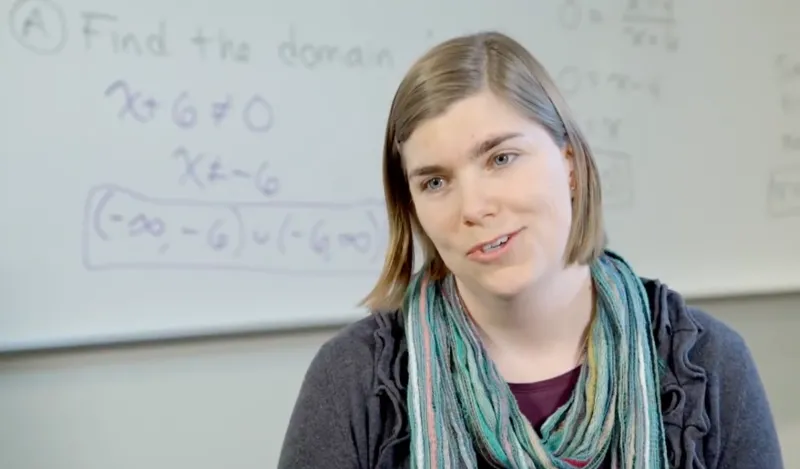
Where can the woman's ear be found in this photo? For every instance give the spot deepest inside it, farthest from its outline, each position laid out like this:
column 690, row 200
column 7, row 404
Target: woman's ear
column 569, row 163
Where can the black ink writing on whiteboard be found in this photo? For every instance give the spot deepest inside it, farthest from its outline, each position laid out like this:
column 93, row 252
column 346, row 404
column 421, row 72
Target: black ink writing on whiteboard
column 202, row 170
column 576, row 14
column 783, row 192
column 650, row 24
column 574, row 80
column 616, row 178
column 788, row 68
column 220, row 45
column 140, row 107
column 186, row 111
column 296, row 51
column 103, row 32
column 39, row 26
column 124, row 229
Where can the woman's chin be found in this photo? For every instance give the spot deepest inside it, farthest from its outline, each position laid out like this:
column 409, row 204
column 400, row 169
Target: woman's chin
column 508, row 282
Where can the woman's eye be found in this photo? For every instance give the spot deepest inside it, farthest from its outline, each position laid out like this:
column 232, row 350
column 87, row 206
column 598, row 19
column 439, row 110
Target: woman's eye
column 503, row 159
column 433, row 184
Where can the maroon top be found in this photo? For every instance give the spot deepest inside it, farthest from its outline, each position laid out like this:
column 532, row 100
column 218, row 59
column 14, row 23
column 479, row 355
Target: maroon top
column 541, row 399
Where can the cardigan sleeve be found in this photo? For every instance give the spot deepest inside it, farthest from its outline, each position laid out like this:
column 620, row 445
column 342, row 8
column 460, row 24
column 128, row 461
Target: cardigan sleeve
column 328, row 423
column 749, row 437
column 745, row 435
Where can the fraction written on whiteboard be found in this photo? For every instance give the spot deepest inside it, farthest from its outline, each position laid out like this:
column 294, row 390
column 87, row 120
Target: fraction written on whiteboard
column 651, row 24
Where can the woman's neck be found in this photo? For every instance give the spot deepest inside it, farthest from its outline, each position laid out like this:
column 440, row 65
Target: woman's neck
column 549, row 321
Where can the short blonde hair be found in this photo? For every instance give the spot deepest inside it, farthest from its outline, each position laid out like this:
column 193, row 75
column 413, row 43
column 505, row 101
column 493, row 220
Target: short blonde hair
column 447, row 73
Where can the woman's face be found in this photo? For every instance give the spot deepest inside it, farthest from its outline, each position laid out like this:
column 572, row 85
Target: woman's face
column 491, row 190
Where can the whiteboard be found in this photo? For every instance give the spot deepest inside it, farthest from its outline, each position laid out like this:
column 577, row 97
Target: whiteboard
column 173, row 171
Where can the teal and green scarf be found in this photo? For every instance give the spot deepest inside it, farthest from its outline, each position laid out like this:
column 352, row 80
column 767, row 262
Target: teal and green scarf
column 458, row 402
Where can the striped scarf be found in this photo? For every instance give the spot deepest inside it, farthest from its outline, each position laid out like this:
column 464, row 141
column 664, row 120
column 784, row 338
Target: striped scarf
column 458, row 402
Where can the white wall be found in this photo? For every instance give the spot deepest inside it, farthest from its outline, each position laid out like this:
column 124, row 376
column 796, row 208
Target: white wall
column 224, row 404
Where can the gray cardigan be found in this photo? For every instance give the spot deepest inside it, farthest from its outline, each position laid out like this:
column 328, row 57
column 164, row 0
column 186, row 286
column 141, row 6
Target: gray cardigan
column 351, row 410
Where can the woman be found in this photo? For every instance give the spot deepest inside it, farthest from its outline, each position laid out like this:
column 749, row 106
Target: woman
column 521, row 342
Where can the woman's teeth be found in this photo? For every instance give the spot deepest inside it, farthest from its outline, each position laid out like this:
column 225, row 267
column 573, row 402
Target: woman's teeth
column 499, row 242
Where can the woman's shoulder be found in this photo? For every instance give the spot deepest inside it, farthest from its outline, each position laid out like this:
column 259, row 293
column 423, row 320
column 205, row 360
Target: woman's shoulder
column 360, row 353
column 343, row 398
column 714, row 404
column 688, row 329
column 360, row 342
